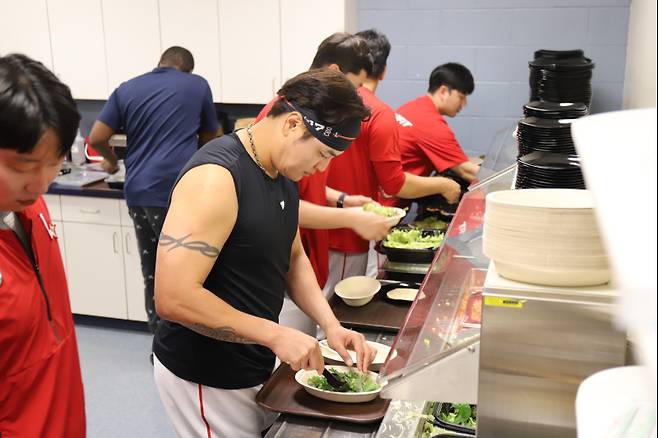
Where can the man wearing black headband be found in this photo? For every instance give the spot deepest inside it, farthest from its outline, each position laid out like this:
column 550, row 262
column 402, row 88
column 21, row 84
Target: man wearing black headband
column 318, row 214
column 229, row 250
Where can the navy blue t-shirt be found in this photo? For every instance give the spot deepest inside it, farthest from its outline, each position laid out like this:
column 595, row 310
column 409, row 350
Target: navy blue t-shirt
column 161, row 113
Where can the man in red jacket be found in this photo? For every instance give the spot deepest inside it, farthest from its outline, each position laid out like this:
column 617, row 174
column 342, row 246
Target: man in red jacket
column 40, row 382
column 372, row 167
column 426, row 141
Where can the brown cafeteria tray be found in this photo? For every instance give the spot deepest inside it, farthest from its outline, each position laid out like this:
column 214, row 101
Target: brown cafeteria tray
column 282, row 393
column 379, row 313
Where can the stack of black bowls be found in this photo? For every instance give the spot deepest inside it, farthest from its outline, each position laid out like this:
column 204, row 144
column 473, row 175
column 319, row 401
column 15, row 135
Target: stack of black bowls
column 560, row 90
column 561, row 76
column 547, row 135
column 554, row 110
column 545, row 170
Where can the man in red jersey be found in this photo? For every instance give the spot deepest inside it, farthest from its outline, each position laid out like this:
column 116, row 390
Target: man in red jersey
column 40, row 383
column 372, row 166
column 426, row 141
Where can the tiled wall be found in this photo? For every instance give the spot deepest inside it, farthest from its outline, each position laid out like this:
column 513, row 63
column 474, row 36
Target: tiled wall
column 495, row 39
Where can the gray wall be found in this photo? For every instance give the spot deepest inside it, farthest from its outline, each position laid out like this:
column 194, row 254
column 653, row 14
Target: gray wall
column 495, row 39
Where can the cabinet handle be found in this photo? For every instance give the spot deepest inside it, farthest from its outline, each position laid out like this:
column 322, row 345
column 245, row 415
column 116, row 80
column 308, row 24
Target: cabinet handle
column 90, row 211
column 114, row 242
column 127, row 244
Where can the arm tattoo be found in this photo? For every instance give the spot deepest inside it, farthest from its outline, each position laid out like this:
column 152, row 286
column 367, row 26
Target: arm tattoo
column 194, row 245
column 226, row 334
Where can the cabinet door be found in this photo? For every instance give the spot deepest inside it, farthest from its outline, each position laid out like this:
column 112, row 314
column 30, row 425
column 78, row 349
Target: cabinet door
column 197, row 29
column 134, row 278
column 24, row 29
column 132, row 38
column 250, row 50
column 78, row 45
column 304, row 24
column 96, row 279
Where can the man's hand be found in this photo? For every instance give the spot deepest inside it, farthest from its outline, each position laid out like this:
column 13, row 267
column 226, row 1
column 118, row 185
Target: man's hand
column 297, row 349
column 451, row 191
column 109, row 166
column 340, row 339
column 356, row 200
column 369, row 225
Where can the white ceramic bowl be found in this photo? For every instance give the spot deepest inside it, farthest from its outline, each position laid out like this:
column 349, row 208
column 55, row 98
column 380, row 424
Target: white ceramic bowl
column 331, row 356
column 357, row 291
column 302, row 377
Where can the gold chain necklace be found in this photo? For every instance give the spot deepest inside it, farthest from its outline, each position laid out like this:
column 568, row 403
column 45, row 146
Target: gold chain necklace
column 253, row 149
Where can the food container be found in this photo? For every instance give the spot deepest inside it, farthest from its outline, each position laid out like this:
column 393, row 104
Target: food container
column 405, row 255
column 444, row 407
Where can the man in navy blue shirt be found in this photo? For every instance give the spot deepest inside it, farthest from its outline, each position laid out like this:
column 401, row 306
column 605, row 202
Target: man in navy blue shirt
column 166, row 115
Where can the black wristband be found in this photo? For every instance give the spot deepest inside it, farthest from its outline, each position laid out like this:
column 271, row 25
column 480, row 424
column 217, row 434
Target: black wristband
column 340, row 200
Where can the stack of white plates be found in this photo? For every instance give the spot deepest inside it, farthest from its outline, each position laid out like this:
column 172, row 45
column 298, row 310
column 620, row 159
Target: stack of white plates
column 545, row 236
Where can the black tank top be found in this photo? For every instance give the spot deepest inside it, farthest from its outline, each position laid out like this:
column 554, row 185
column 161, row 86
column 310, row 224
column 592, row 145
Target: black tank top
column 249, row 274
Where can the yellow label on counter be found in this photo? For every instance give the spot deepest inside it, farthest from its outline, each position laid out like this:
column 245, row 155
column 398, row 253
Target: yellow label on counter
column 514, row 303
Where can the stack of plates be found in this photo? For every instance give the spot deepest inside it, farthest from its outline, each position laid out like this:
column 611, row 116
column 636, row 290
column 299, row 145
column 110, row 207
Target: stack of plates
column 554, row 110
column 545, row 236
column 561, row 76
column 548, row 135
column 545, row 170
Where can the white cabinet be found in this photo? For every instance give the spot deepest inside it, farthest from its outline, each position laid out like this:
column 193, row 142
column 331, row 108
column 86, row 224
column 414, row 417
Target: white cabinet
column 250, row 49
column 134, row 278
column 132, row 268
column 96, row 279
column 78, row 46
column 132, row 38
column 103, row 266
column 24, row 29
column 300, row 37
column 197, row 29
column 245, row 49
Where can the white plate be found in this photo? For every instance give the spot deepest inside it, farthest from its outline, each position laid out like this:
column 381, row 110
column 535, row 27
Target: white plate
column 302, row 377
column 549, row 199
column 403, row 294
column 380, row 358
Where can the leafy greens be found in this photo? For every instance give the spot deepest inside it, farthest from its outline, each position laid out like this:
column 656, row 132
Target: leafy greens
column 356, row 381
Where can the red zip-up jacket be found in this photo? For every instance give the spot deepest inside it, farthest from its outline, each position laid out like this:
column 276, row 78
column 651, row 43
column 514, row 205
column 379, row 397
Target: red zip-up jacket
column 41, row 392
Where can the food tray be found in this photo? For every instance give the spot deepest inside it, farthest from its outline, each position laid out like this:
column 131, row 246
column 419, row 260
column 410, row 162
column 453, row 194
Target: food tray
column 380, row 313
column 281, row 393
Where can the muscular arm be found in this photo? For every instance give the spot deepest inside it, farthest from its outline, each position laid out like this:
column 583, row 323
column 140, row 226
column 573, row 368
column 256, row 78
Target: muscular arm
column 193, row 235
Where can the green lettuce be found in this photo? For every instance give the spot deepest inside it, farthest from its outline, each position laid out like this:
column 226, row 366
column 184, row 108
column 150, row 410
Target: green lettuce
column 356, row 381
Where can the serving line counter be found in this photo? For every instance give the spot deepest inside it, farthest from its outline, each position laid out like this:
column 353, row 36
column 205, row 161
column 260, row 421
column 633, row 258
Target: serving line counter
column 519, row 352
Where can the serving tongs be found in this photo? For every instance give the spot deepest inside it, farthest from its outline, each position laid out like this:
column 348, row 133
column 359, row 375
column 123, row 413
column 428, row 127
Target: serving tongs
column 335, row 382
